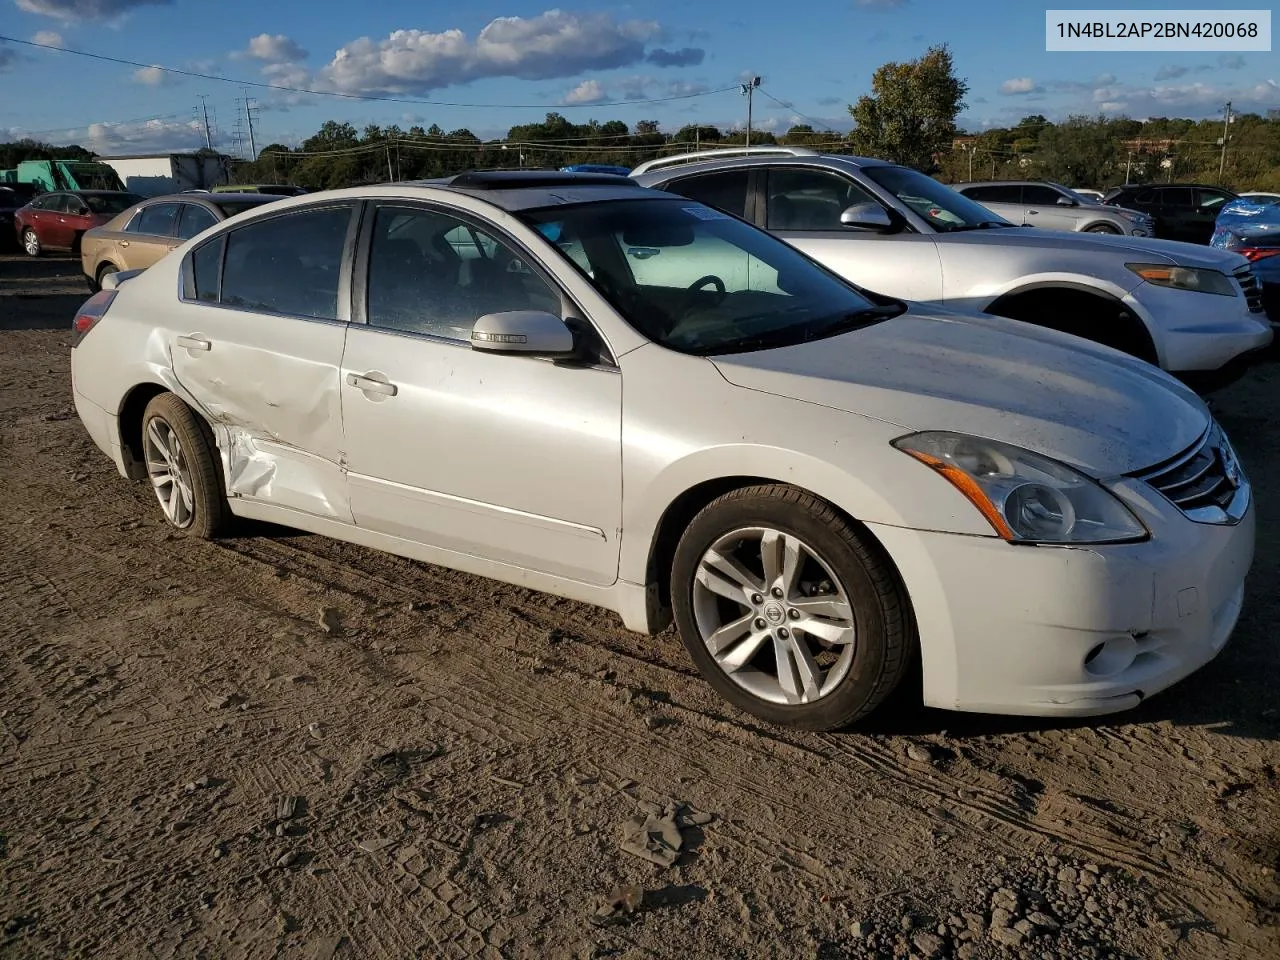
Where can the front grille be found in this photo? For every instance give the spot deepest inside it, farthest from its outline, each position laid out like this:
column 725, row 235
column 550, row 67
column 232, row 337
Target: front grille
column 1202, row 481
column 1251, row 286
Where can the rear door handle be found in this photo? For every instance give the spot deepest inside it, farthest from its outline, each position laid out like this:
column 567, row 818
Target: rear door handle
column 369, row 385
column 194, row 343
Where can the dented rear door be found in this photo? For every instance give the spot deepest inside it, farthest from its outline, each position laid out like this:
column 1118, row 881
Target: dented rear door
column 258, row 348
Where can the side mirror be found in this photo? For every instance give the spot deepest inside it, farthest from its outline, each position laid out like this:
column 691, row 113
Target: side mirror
column 1066, row 202
column 867, row 216
column 533, row 332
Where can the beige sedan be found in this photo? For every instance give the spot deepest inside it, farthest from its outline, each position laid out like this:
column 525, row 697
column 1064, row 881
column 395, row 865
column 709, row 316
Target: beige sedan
column 141, row 235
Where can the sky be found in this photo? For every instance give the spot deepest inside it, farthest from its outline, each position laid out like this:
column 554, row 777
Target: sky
column 503, row 62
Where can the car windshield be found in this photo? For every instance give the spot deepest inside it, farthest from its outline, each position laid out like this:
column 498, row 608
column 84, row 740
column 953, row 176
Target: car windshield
column 701, row 282
column 1077, row 197
column 110, row 203
column 944, row 209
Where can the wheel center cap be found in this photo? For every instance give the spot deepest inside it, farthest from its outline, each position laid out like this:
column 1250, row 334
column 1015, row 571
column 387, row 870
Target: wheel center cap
column 774, row 613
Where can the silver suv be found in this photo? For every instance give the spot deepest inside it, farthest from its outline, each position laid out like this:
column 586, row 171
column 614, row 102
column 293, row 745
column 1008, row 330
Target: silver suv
column 1039, row 203
column 1195, row 311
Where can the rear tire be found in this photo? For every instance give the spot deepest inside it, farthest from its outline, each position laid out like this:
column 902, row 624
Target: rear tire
column 1103, row 228
column 184, row 468
column 809, row 627
column 31, row 243
column 104, row 271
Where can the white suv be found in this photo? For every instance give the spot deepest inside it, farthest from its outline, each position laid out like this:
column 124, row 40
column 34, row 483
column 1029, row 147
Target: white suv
column 1192, row 310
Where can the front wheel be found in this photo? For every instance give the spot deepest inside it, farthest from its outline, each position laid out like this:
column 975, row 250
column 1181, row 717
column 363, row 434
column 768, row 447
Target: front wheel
column 789, row 611
column 1103, row 228
column 31, row 243
column 183, row 468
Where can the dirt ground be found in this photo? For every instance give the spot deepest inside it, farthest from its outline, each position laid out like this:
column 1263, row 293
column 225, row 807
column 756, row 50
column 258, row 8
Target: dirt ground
column 282, row 746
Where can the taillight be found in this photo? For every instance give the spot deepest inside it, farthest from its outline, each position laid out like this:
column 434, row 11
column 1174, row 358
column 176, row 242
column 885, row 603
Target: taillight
column 90, row 312
column 1254, row 254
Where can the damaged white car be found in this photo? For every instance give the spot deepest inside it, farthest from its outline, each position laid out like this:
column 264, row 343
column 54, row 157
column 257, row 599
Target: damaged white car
column 627, row 398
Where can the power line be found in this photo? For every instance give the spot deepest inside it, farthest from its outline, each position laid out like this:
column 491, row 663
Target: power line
column 357, row 96
column 826, row 128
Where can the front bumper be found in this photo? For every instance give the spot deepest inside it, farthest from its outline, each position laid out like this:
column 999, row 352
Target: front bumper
column 1057, row 631
column 1198, row 332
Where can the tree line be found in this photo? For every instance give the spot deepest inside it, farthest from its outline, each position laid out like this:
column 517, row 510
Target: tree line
column 908, row 116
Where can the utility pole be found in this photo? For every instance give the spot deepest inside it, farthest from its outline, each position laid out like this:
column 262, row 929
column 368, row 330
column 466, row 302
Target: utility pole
column 1128, row 165
column 748, row 89
column 248, row 116
column 208, row 135
column 390, row 176
column 1226, row 124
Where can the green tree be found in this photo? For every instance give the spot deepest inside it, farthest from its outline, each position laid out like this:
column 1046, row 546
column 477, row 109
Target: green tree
column 910, row 116
column 1080, row 152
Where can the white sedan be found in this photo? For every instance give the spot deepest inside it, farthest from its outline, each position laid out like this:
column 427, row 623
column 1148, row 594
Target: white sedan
column 624, row 397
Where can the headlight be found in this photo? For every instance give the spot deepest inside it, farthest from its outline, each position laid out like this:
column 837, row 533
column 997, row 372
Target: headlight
column 1025, row 497
column 1184, row 278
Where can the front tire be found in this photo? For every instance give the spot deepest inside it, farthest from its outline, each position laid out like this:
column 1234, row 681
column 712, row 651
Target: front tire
column 1103, row 228
column 788, row 610
column 31, row 243
column 183, row 468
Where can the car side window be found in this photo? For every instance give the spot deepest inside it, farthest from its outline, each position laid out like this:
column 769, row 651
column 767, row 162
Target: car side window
column 433, row 273
column 195, row 219
column 206, row 270
column 1038, row 195
column 59, row 203
column 289, row 264
column 995, row 193
column 1179, row 197
column 726, row 190
column 1211, row 200
column 810, row 199
column 156, row 220
column 1143, row 198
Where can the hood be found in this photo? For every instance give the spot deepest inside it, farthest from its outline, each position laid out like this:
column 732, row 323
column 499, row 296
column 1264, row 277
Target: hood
column 1133, row 249
column 1078, row 402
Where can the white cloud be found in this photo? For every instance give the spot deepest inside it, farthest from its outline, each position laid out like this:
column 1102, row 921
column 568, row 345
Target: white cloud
column 1018, row 86
column 273, row 49
column 114, row 138
column 588, row 91
column 76, row 10
column 49, row 38
column 153, row 77
column 552, row 44
column 1172, row 71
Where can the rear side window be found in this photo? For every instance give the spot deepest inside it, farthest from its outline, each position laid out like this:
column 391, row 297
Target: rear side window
column 997, row 193
column 725, row 191
column 195, row 219
column 289, row 264
column 810, row 199
column 206, row 270
column 1175, row 196
column 156, row 220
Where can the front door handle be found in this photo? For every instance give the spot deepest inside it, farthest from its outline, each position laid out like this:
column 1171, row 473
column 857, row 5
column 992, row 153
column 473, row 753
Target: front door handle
column 194, row 343
column 1033, row 212
column 124, row 243
column 370, row 385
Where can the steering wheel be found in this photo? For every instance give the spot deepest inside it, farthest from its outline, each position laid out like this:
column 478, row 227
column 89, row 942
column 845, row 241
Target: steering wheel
column 696, row 287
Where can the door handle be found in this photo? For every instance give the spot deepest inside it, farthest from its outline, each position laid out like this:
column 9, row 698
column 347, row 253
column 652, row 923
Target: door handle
column 124, row 243
column 1033, row 212
column 369, row 385
column 194, row 343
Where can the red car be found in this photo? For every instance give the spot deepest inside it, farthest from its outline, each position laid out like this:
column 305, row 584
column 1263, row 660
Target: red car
column 57, row 220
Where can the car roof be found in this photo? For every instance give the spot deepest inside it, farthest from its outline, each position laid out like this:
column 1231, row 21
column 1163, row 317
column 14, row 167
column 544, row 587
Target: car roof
column 514, row 190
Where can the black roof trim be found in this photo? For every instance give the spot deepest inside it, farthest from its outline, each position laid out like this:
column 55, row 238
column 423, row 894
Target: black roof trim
column 522, row 179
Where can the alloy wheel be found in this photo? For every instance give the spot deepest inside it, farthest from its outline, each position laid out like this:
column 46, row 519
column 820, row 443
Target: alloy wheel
column 773, row 616
column 168, row 471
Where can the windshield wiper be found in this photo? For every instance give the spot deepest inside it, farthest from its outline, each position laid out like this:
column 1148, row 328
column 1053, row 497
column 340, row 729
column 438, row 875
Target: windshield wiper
column 856, row 319
column 984, row 225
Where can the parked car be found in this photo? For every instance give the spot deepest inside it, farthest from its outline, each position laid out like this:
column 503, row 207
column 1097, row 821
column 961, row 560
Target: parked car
column 57, row 220
column 13, row 197
column 1251, row 228
column 1182, row 211
column 1036, row 203
column 141, row 235
column 894, row 230
column 508, row 374
column 275, row 189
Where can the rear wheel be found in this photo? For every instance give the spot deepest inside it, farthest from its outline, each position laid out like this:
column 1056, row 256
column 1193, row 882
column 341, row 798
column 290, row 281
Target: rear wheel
column 104, row 271
column 1102, row 228
column 790, row 612
column 31, row 243
column 183, row 467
